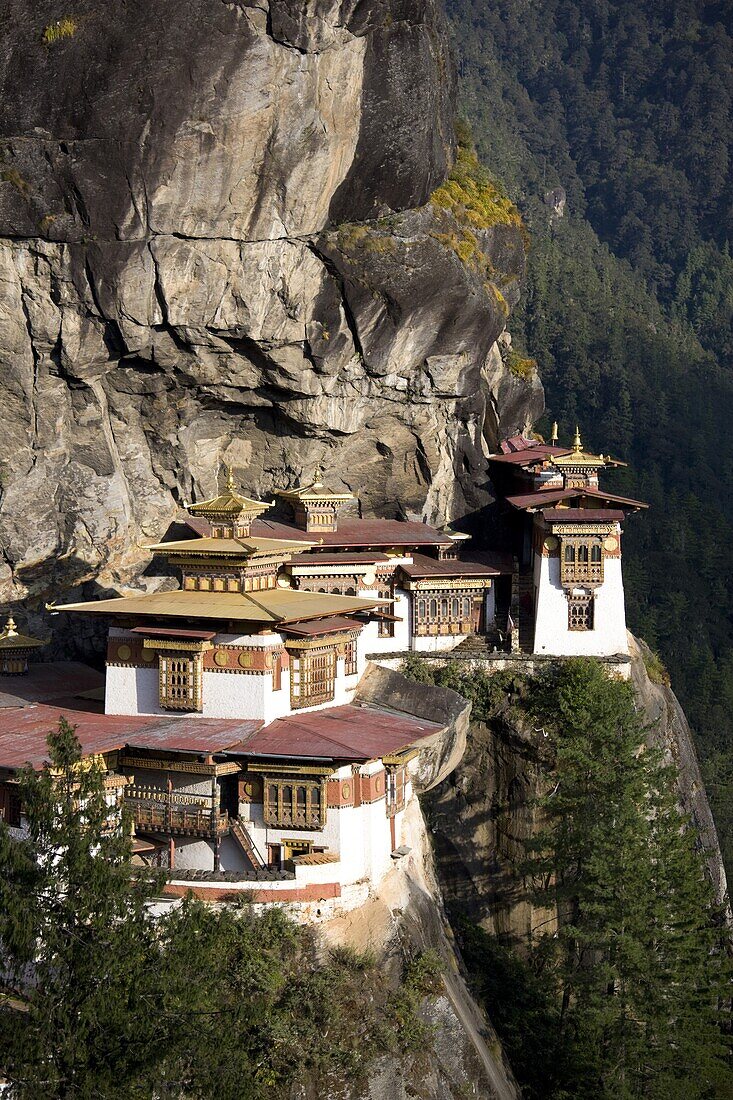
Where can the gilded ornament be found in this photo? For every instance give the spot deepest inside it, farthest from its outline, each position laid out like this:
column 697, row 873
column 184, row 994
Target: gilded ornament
column 551, row 543
column 124, row 653
column 610, row 544
column 221, row 658
column 245, row 660
column 148, row 656
column 346, row 790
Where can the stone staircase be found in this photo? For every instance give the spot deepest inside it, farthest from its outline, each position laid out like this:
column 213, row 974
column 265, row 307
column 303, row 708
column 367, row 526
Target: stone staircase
column 240, row 833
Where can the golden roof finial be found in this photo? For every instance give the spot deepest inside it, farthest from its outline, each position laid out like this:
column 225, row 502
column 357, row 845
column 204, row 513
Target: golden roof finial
column 553, row 437
column 230, row 480
column 577, row 442
column 11, row 630
column 318, row 476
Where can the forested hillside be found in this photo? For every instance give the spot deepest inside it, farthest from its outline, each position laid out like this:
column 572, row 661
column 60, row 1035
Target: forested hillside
column 629, row 295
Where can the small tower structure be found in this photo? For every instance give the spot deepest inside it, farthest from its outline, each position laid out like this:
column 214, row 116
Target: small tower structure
column 314, row 506
column 229, row 514
column 568, row 541
column 15, row 650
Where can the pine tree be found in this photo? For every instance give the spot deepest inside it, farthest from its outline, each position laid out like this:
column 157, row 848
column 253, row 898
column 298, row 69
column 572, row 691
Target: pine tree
column 102, row 998
column 76, row 937
column 639, row 953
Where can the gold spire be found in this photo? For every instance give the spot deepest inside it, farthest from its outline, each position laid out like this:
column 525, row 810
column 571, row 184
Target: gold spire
column 553, row 437
column 230, row 485
column 577, row 443
column 318, row 478
column 11, row 631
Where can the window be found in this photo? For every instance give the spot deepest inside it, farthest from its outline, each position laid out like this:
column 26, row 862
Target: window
column 394, row 791
column 385, row 628
column 582, row 561
column 580, row 612
column 312, row 677
column 297, row 804
column 9, row 805
column 439, row 614
column 180, row 682
column 350, row 658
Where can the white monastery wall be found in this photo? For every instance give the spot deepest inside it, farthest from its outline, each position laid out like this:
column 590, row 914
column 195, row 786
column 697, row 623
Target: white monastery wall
column 552, row 636
column 400, row 641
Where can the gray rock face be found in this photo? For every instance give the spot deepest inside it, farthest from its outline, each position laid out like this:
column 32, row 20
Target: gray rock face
column 216, row 246
column 483, row 814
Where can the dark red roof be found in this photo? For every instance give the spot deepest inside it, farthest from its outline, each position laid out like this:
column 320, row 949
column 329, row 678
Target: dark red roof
column 356, row 733
column 352, row 533
column 424, row 566
column 583, row 515
column 541, row 497
column 172, row 632
column 24, row 729
column 338, row 733
column 335, row 624
column 529, row 455
column 49, row 680
column 319, row 558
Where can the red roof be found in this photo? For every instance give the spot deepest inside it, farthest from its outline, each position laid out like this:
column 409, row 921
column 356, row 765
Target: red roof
column 583, row 515
column 49, row 680
column 352, row 533
column 529, row 455
column 338, row 733
column 24, row 729
column 356, row 733
column 364, row 532
column 541, row 497
column 334, row 625
column 424, row 566
column 173, row 632
column 319, row 558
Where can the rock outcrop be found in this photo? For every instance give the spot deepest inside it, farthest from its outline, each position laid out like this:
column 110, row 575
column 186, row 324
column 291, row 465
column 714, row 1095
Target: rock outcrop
column 217, row 245
column 482, row 815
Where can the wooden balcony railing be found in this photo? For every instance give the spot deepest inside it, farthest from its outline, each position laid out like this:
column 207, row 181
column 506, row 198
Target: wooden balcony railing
column 159, row 811
column 579, row 572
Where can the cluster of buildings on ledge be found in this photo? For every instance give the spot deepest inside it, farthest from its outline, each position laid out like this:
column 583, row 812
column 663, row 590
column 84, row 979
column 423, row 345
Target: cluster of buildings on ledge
column 235, row 727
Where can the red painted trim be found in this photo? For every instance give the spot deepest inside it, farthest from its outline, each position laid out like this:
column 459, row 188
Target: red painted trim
column 315, row 891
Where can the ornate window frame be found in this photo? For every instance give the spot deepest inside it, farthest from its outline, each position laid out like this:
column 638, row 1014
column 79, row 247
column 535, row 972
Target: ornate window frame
column 294, row 802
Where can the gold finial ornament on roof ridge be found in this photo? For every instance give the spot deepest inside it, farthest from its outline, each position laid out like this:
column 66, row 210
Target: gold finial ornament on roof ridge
column 577, row 442
column 553, row 436
column 11, row 630
column 230, row 485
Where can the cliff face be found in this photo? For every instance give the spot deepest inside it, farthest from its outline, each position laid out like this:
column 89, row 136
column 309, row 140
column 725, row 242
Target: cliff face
column 216, row 245
column 482, row 815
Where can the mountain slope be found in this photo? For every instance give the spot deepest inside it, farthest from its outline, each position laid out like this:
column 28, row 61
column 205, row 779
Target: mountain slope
column 618, row 108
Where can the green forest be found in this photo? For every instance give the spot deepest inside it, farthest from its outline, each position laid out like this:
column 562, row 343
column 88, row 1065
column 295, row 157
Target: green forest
column 628, row 300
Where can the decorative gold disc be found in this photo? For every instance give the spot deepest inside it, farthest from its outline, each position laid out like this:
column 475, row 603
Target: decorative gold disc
column 221, row 658
column 124, row 653
column 610, row 544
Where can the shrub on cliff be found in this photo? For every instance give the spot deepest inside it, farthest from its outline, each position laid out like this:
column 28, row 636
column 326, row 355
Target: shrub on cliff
column 99, row 998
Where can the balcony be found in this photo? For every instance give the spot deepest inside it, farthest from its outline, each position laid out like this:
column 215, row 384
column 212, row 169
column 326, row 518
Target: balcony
column 158, row 811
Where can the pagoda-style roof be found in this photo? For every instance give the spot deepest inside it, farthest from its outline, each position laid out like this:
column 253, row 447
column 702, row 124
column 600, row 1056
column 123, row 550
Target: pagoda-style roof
column 580, row 457
column 314, row 493
column 543, row 498
column 480, row 566
column 11, row 639
column 244, row 547
column 229, row 503
column 270, row 607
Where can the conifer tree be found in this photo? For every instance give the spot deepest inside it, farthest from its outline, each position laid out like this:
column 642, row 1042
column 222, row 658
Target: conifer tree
column 639, row 953
column 104, row 997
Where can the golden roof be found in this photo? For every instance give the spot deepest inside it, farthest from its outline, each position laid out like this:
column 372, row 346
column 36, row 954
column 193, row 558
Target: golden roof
column 236, row 547
column 230, row 502
column 579, row 457
column 314, row 493
column 11, row 639
column 270, row 607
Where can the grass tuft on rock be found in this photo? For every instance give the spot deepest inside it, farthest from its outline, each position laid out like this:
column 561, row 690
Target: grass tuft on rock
column 56, row 32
